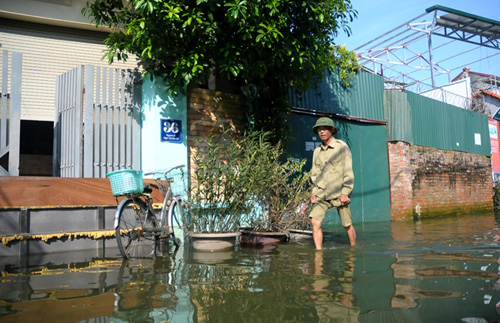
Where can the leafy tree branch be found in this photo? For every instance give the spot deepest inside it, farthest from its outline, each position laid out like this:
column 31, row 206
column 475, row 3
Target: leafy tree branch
column 272, row 44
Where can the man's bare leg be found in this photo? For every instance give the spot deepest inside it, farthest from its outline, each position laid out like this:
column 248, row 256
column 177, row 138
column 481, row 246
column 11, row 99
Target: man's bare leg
column 351, row 234
column 317, row 233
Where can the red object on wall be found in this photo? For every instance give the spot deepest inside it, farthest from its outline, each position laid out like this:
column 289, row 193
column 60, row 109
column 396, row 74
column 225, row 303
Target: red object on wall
column 495, row 153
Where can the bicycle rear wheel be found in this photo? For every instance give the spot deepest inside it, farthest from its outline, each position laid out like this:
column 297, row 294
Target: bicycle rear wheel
column 135, row 232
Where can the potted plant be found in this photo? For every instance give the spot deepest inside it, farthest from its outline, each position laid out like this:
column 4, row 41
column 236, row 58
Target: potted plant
column 242, row 181
column 288, row 199
column 219, row 195
column 284, row 203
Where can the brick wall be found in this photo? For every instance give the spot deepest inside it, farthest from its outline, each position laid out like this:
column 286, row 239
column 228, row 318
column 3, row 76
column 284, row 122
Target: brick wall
column 208, row 112
column 432, row 182
column 400, row 180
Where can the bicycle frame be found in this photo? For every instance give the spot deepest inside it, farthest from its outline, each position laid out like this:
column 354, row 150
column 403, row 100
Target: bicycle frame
column 146, row 228
column 174, row 201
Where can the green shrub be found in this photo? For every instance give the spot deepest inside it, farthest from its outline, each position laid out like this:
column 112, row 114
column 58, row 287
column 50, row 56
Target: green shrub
column 243, row 181
column 496, row 196
column 288, row 199
column 216, row 197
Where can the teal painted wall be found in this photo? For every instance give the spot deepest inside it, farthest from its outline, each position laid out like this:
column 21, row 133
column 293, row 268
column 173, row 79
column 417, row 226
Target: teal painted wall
column 157, row 104
column 371, row 196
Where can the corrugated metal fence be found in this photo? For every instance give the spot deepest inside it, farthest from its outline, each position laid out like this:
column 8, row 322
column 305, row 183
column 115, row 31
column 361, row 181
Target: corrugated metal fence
column 10, row 110
column 410, row 117
column 422, row 121
column 363, row 99
column 398, row 114
column 440, row 125
column 98, row 120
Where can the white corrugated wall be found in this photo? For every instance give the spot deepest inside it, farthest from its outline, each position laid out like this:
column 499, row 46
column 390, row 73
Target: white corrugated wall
column 49, row 51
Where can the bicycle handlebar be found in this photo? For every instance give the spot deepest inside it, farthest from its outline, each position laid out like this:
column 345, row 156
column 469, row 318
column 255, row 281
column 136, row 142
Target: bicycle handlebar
column 164, row 172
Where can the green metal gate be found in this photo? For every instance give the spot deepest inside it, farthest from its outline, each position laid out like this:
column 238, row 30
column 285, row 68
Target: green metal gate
column 370, row 201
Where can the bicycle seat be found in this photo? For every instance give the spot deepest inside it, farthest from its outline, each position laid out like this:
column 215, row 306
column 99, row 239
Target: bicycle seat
column 148, row 189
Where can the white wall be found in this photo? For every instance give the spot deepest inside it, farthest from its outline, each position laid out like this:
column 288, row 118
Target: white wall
column 457, row 93
column 54, row 12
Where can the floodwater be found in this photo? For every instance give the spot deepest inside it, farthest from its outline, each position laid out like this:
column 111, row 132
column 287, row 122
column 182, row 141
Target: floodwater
column 439, row 270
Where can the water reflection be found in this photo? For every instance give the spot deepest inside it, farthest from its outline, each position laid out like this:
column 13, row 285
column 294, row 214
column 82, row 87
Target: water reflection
column 111, row 289
column 212, row 258
column 441, row 270
column 337, row 304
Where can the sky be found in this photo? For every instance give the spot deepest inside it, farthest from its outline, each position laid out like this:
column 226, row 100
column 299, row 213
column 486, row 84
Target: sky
column 376, row 17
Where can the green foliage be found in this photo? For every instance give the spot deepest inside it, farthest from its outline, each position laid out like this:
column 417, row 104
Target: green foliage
column 273, row 44
column 217, row 200
column 496, row 196
column 286, row 199
column 242, row 179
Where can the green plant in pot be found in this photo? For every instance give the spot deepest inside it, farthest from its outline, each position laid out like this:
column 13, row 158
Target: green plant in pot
column 221, row 190
column 278, row 190
column 287, row 201
column 242, row 181
column 283, row 203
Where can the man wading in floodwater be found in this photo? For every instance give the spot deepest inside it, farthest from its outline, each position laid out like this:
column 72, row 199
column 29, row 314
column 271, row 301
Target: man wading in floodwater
column 332, row 179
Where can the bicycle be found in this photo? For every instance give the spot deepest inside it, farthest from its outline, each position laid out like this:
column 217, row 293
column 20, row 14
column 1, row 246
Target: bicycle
column 139, row 231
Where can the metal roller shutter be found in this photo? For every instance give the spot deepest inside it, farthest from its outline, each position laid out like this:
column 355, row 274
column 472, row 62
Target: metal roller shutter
column 49, row 51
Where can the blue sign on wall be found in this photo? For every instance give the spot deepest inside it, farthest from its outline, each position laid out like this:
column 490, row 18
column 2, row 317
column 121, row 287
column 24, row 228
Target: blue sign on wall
column 496, row 116
column 171, row 130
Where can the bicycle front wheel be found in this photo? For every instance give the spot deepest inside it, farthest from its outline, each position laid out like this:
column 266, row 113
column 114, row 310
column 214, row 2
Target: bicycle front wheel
column 167, row 227
column 135, row 232
column 174, row 212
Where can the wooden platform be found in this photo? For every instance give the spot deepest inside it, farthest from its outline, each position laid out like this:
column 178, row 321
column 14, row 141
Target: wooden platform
column 44, row 215
column 48, row 192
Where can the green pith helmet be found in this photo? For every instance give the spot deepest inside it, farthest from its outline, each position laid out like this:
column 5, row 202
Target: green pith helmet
column 324, row 122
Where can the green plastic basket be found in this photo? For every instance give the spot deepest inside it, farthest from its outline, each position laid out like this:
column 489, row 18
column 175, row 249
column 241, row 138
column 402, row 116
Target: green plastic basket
column 126, row 181
column 178, row 185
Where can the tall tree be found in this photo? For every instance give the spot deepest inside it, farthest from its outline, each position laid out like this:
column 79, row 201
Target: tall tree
column 264, row 45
